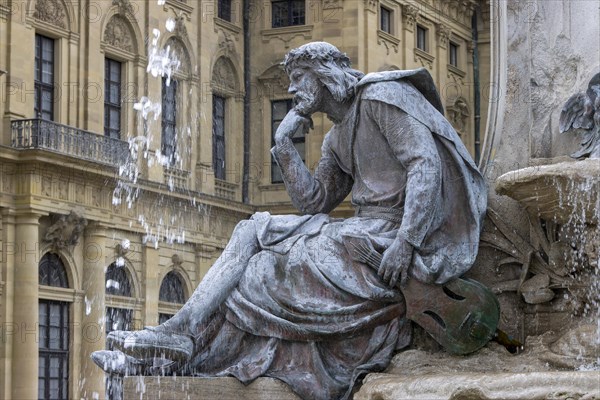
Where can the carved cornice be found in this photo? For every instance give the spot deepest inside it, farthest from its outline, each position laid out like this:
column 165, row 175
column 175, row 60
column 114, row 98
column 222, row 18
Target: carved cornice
column 456, row 74
column 371, row 5
column 287, row 34
column 227, row 27
column 52, row 12
column 443, row 33
column 388, row 41
column 424, row 58
column 410, row 13
column 179, row 7
column 5, row 11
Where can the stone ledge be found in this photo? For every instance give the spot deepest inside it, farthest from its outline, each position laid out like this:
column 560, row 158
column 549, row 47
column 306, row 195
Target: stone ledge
column 470, row 386
column 177, row 388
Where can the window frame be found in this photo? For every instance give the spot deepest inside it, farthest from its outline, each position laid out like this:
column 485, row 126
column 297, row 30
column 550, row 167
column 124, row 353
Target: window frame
column 453, row 54
column 42, row 88
column 109, row 106
column 423, row 44
column 290, row 18
column 224, row 10
column 168, row 145
column 219, row 137
column 47, row 352
column 386, row 14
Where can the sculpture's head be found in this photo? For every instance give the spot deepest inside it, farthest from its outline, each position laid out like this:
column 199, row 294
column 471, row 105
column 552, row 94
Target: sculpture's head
column 316, row 65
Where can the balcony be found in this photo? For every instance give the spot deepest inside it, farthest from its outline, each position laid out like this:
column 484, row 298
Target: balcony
column 64, row 139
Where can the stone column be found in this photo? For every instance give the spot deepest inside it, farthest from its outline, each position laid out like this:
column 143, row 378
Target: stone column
column 6, row 303
column 25, row 307
column 92, row 321
column 151, row 268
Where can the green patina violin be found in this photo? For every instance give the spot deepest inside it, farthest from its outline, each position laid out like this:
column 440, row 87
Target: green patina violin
column 461, row 315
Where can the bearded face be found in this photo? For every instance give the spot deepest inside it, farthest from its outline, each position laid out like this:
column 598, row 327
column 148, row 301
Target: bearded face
column 307, row 90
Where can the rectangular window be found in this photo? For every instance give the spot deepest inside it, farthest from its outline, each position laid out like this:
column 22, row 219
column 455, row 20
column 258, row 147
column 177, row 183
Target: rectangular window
column 385, row 19
column 224, row 11
column 169, row 120
column 453, row 54
column 279, row 109
column 112, row 98
column 53, row 370
column 218, row 126
column 44, row 78
column 422, row 38
column 287, row 13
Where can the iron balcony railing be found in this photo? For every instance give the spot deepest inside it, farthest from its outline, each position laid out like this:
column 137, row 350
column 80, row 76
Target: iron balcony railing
column 64, row 139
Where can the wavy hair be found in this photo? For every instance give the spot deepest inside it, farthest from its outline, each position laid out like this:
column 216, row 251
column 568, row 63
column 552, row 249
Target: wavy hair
column 331, row 66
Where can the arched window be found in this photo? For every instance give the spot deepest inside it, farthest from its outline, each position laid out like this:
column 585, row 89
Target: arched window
column 118, row 314
column 53, row 347
column 52, row 271
column 117, row 281
column 171, row 291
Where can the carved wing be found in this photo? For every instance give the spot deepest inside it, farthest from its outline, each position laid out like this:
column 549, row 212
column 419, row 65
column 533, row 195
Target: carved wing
column 576, row 113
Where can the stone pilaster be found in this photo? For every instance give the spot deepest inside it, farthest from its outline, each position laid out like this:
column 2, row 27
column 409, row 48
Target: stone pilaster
column 6, row 302
column 25, row 308
column 92, row 321
column 152, row 285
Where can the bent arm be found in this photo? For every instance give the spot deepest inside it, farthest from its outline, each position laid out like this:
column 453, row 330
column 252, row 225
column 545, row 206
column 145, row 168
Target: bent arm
column 414, row 146
column 312, row 195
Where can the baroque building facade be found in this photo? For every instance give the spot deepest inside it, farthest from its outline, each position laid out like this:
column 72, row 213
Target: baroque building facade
column 110, row 220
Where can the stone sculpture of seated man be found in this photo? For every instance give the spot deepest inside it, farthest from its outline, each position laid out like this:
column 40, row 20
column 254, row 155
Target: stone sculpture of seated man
column 285, row 299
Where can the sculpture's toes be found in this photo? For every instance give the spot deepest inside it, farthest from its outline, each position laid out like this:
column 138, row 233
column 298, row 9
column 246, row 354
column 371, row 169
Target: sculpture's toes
column 152, row 343
column 117, row 363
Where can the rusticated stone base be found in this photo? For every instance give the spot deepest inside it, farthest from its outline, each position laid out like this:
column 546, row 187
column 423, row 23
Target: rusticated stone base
column 182, row 388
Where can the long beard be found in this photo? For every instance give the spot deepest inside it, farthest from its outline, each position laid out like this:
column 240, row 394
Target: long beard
column 305, row 103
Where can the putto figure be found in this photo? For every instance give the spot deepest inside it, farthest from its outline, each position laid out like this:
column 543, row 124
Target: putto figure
column 286, row 299
column 581, row 114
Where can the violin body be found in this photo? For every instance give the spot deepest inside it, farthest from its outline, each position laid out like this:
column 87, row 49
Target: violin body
column 461, row 315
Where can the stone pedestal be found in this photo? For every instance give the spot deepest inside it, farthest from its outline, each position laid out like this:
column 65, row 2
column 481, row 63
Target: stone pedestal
column 492, row 373
column 176, row 388
column 500, row 386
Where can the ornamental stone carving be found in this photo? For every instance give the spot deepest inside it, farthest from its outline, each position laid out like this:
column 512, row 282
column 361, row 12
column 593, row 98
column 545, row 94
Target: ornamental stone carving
column 458, row 115
column 371, row 5
column 223, row 75
column 50, row 11
column 226, row 44
column 443, row 35
column 125, row 6
column 180, row 29
column 66, row 230
column 179, row 51
column 275, row 81
column 118, row 34
column 409, row 16
column 332, row 4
